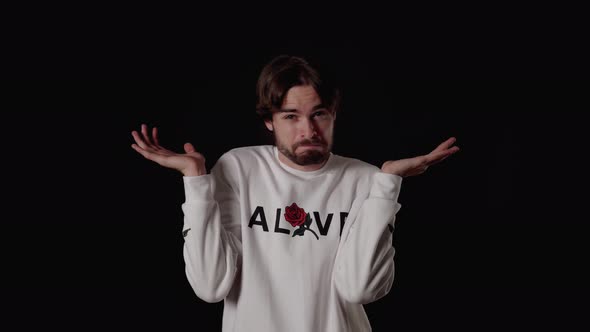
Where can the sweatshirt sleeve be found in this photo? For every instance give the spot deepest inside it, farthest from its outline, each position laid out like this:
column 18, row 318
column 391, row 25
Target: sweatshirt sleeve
column 364, row 267
column 212, row 234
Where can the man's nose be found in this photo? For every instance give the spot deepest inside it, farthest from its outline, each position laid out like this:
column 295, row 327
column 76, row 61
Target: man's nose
column 309, row 129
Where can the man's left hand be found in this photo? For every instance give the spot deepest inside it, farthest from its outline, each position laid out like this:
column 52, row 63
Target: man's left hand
column 418, row 165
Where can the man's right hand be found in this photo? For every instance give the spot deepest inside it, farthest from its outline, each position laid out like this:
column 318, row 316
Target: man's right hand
column 190, row 163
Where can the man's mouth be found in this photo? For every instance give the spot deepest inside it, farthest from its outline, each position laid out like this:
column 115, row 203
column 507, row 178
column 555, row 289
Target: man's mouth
column 311, row 147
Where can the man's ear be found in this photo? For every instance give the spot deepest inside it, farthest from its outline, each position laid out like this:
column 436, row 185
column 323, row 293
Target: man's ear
column 269, row 125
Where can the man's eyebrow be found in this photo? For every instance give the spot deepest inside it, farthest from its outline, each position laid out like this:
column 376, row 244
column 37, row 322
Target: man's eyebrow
column 292, row 110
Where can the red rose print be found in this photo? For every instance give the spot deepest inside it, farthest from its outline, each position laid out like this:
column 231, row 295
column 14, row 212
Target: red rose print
column 295, row 215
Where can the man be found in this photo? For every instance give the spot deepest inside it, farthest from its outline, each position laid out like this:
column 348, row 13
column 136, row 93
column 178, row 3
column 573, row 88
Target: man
column 291, row 236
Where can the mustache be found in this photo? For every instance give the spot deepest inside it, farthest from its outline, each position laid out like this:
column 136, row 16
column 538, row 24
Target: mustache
column 310, row 142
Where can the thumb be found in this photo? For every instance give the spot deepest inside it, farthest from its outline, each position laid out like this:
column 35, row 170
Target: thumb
column 188, row 148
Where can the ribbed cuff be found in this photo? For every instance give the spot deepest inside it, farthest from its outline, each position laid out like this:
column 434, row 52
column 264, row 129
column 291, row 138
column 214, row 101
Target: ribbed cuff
column 386, row 186
column 198, row 188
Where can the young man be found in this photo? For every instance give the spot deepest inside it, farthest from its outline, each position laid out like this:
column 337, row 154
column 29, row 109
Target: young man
column 291, row 236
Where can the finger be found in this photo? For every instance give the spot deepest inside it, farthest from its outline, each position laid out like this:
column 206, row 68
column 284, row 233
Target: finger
column 155, row 136
column 445, row 145
column 188, row 148
column 144, row 132
column 436, row 157
column 147, row 154
column 139, row 140
column 140, row 150
column 439, row 160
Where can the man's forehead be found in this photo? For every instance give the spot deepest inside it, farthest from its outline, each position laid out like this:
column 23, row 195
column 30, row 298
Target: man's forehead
column 301, row 93
column 294, row 109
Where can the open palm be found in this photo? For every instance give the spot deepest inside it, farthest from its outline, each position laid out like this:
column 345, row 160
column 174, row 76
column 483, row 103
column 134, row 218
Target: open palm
column 418, row 165
column 190, row 163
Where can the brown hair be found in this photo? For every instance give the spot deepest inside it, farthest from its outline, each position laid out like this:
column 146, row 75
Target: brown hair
column 284, row 72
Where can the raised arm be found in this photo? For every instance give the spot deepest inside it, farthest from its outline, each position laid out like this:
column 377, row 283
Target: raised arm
column 364, row 267
column 211, row 230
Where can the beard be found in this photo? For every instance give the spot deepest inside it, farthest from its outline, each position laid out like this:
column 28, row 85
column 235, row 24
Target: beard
column 307, row 157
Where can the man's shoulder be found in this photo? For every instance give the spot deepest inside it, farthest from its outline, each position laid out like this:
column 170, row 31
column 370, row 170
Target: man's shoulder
column 357, row 171
column 355, row 164
column 247, row 154
column 240, row 159
column 250, row 149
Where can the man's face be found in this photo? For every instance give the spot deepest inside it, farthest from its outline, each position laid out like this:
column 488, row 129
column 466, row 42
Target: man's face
column 304, row 127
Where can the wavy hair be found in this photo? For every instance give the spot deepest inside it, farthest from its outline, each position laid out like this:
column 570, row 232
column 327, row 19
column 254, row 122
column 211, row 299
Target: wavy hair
column 284, row 72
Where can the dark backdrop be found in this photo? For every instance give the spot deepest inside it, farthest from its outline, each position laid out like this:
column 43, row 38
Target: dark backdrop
column 493, row 237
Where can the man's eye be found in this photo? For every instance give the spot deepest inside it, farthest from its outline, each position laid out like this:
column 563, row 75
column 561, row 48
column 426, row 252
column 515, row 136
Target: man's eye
column 321, row 113
column 290, row 116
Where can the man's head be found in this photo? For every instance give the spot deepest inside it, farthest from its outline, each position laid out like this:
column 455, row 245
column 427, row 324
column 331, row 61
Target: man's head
column 299, row 108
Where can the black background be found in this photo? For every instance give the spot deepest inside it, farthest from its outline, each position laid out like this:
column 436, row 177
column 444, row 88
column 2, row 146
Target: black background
column 493, row 237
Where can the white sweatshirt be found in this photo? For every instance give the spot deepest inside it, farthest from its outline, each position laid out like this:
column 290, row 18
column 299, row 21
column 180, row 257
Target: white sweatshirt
column 289, row 250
